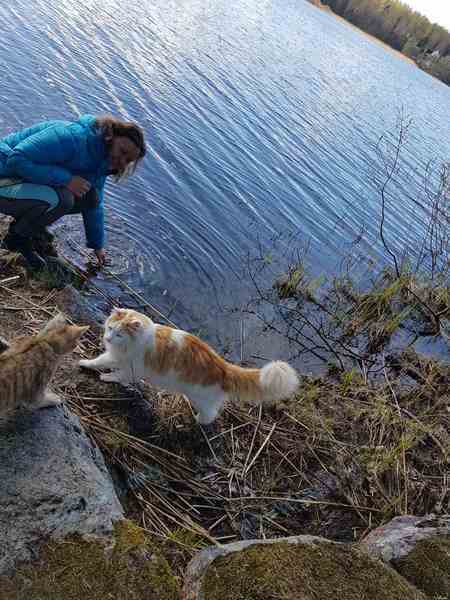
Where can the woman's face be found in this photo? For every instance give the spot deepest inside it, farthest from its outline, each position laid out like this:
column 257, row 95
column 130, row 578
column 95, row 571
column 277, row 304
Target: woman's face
column 123, row 151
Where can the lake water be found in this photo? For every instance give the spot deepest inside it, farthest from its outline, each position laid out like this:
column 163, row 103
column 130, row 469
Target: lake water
column 261, row 117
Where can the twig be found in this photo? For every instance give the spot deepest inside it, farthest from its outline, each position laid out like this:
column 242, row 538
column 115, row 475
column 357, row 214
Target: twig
column 208, row 442
column 17, row 308
column 230, row 430
column 405, row 474
column 298, row 501
column 269, row 435
column 42, row 308
column 9, row 279
column 253, row 441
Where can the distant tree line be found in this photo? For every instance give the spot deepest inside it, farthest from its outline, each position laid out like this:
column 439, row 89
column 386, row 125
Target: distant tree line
column 402, row 28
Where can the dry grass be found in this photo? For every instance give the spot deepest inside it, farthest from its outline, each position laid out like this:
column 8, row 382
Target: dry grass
column 342, row 457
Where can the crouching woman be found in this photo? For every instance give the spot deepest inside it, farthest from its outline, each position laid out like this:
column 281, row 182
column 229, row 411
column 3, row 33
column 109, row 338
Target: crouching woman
column 56, row 168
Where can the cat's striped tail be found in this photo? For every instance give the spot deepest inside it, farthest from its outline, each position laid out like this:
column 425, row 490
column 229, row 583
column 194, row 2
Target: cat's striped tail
column 275, row 381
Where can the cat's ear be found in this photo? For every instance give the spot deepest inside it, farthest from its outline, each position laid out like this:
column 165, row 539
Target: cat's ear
column 118, row 313
column 55, row 323
column 134, row 325
column 76, row 331
column 66, row 339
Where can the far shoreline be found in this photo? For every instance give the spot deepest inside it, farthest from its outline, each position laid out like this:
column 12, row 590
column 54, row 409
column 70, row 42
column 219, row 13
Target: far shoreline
column 325, row 8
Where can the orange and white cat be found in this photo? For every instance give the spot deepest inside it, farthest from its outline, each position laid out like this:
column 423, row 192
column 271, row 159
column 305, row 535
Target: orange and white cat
column 177, row 361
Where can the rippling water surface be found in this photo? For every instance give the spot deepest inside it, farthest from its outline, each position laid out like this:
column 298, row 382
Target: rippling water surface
column 261, row 117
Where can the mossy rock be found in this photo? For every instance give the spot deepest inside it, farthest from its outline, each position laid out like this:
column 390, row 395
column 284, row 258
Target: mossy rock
column 427, row 566
column 129, row 568
column 303, row 568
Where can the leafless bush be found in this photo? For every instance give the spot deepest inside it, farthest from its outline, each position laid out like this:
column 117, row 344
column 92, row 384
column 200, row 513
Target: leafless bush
column 351, row 321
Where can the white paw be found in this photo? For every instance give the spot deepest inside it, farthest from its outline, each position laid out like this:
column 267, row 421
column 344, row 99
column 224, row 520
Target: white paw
column 85, row 363
column 49, row 399
column 53, row 401
column 111, row 377
column 205, row 419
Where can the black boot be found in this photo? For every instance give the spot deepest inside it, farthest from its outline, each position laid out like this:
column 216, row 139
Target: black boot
column 43, row 243
column 23, row 245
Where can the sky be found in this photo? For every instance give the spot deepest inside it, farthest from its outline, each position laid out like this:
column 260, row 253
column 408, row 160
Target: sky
column 437, row 11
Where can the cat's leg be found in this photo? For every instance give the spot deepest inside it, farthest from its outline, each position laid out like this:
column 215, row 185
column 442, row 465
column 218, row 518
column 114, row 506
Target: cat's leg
column 207, row 407
column 206, row 417
column 47, row 398
column 104, row 361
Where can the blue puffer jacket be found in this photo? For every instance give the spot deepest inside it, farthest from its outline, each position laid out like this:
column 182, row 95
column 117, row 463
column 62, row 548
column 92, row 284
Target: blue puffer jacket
column 51, row 153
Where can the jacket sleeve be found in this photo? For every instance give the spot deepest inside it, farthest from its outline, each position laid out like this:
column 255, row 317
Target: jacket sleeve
column 40, row 157
column 94, row 220
column 94, row 226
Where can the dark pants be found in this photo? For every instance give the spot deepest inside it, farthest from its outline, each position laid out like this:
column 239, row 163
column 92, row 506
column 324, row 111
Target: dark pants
column 35, row 206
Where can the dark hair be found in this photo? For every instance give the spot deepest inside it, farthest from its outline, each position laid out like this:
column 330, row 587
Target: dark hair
column 112, row 127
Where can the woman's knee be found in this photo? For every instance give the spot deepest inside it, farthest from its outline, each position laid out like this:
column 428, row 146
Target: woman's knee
column 66, row 200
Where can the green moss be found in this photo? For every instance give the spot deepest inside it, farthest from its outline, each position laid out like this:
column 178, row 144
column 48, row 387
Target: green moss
column 428, row 567
column 308, row 572
column 75, row 569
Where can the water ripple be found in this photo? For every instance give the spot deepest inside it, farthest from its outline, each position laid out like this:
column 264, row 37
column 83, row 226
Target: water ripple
column 260, row 117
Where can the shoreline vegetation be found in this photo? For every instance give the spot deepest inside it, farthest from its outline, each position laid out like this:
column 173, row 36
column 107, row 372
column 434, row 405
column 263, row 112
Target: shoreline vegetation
column 364, row 442
column 353, row 449
column 400, row 29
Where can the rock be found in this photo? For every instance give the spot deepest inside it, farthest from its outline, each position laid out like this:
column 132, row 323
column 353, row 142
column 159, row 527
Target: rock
column 418, row 548
column 127, row 567
column 54, row 482
column 427, row 566
column 305, row 567
column 81, row 309
column 399, row 537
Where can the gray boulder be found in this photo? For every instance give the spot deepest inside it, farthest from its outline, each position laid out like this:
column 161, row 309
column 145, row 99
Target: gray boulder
column 418, row 548
column 291, row 568
column 53, row 482
column 400, row 536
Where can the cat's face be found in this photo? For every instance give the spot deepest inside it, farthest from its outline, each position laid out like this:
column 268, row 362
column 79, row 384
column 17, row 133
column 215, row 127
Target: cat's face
column 65, row 339
column 124, row 327
column 62, row 336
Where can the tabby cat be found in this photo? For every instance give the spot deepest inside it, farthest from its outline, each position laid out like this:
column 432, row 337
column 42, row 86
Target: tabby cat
column 28, row 364
column 137, row 348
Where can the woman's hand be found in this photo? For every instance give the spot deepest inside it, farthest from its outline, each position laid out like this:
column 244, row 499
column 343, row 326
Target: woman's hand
column 78, row 186
column 101, row 256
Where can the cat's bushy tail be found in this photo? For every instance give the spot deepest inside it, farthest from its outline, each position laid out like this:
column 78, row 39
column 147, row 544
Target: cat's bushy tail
column 275, row 381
